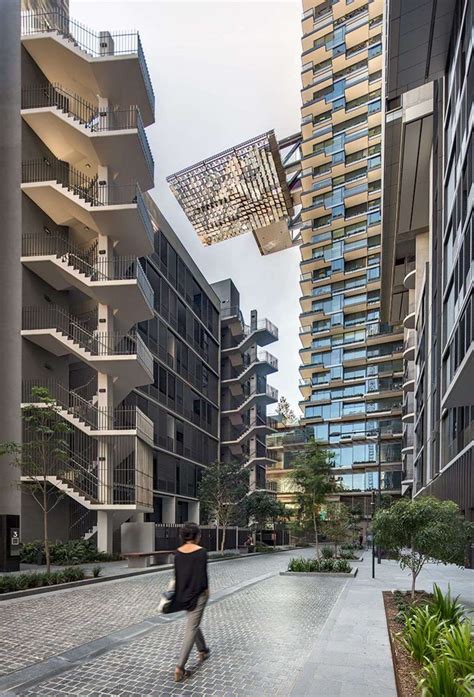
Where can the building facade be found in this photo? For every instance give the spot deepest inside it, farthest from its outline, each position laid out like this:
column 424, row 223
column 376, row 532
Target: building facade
column 245, row 393
column 284, row 446
column 351, row 362
column 86, row 99
column 183, row 399
column 428, row 245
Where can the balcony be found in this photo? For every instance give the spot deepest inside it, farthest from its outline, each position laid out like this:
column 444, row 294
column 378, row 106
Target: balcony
column 81, row 133
column 124, row 484
column 409, row 378
column 409, row 346
column 261, row 394
column 119, row 282
column 125, row 357
column 410, row 318
column 261, row 333
column 410, row 275
column 235, row 437
column 87, row 417
column 408, row 410
column 70, row 198
column 111, row 64
column 261, row 363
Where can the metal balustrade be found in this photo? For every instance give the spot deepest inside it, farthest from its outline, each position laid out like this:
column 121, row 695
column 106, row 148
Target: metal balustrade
column 88, row 262
column 56, row 318
column 101, row 44
column 96, row 418
column 90, row 116
column 89, row 189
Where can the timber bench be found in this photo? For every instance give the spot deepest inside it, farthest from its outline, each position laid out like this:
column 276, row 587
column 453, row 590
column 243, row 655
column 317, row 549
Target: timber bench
column 140, row 560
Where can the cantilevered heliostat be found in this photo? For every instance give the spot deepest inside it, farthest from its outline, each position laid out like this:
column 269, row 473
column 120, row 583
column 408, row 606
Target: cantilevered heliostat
column 247, row 188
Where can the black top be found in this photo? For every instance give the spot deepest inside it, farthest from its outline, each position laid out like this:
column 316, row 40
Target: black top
column 190, row 570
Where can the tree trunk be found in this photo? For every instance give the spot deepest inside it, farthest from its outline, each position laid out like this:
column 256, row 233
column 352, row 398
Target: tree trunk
column 414, row 574
column 315, row 525
column 223, row 539
column 45, row 529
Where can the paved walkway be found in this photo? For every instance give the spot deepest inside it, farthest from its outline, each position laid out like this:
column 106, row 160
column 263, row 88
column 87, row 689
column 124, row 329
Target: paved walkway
column 270, row 635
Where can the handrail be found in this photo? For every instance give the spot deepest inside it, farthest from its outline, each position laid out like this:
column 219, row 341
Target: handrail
column 95, row 343
column 90, row 189
column 89, row 115
column 91, row 264
column 102, row 44
column 97, row 418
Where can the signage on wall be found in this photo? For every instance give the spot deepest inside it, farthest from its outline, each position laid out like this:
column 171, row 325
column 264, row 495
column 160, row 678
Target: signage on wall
column 15, row 542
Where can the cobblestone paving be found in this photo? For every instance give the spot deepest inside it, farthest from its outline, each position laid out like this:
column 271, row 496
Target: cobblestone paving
column 260, row 638
column 48, row 624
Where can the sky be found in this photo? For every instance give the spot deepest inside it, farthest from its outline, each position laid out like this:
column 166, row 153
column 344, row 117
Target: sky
column 222, row 72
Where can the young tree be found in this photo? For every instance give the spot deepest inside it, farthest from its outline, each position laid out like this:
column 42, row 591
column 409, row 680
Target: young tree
column 421, row 530
column 337, row 524
column 355, row 518
column 224, row 485
column 285, row 412
column 263, row 508
column 44, row 452
column 312, row 475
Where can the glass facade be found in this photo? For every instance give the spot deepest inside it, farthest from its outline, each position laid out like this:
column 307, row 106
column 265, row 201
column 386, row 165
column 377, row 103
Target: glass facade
column 352, row 365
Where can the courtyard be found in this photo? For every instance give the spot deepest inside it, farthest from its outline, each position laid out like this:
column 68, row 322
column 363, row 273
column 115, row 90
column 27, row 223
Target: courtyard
column 269, row 634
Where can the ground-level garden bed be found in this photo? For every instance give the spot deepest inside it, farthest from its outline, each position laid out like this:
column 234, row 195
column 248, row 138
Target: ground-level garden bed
column 13, row 583
column 432, row 648
column 305, row 567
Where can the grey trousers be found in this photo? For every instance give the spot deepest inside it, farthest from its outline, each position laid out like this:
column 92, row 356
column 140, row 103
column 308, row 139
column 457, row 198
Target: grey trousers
column 192, row 632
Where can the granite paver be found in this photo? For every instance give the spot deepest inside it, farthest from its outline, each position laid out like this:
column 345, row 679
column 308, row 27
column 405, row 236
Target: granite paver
column 49, row 624
column 260, row 639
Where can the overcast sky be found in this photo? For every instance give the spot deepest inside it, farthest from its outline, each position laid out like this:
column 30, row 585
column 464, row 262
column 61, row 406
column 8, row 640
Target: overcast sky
column 223, row 72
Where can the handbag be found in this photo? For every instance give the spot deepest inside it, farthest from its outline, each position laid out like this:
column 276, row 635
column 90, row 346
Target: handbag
column 167, row 598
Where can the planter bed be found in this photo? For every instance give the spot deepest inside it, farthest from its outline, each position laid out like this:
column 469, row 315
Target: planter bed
column 333, row 574
column 406, row 669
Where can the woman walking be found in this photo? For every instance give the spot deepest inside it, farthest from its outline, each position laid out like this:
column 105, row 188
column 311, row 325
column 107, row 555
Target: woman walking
column 191, row 594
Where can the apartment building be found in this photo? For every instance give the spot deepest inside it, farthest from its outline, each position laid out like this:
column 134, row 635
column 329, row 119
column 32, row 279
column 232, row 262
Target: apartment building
column 284, row 445
column 351, row 361
column 429, row 241
column 245, row 393
column 86, row 100
column 183, row 399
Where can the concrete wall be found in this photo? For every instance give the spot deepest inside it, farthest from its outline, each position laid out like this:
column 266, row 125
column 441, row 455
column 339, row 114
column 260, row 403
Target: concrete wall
column 32, row 519
column 10, row 245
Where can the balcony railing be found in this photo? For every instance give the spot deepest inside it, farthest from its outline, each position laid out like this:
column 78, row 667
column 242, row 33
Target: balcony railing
column 104, row 43
column 96, row 418
column 89, row 189
column 56, row 318
column 90, row 116
column 87, row 262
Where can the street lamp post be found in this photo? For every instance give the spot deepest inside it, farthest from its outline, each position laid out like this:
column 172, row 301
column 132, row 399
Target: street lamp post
column 376, row 440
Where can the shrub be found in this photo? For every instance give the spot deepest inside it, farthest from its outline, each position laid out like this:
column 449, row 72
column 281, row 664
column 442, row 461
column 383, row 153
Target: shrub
column 326, row 565
column 347, row 554
column 457, row 646
column 96, row 571
column 342, row 566
column 421, row 634
column 302, row 565
column 65, row 553
column 439, row 680
column 445, row 606
column 327, row 553
column 323, row 565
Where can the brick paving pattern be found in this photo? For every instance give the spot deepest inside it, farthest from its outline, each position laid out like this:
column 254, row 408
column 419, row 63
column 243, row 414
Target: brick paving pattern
column 260, row 638
column 48, row 624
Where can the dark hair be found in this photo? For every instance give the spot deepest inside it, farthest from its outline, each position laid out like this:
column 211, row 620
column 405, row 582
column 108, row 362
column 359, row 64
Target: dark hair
column 190, row 532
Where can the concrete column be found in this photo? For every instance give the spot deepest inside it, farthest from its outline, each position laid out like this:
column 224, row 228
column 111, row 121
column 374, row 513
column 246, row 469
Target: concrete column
column 10, row 240
column 105, row 529
column 169, row 509
column 193, row 511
